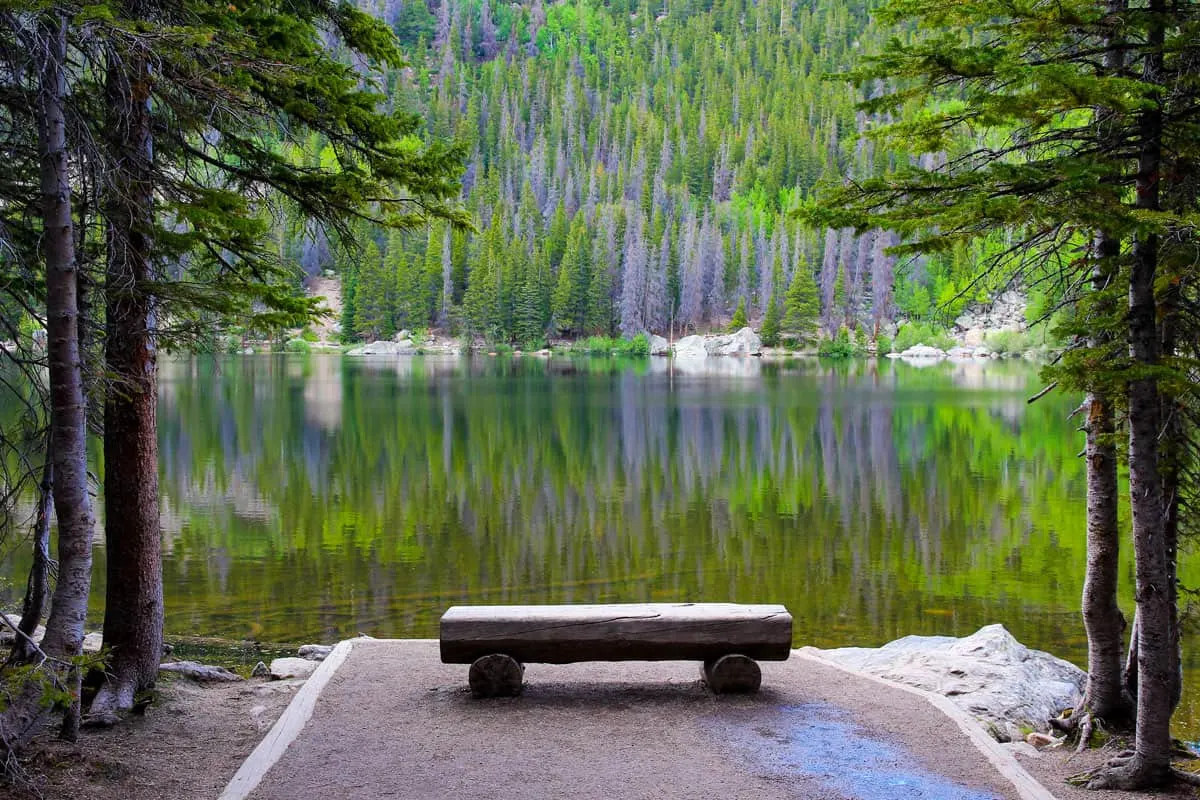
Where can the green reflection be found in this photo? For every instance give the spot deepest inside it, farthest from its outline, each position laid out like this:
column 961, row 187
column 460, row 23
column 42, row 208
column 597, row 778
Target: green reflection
column 311, row 498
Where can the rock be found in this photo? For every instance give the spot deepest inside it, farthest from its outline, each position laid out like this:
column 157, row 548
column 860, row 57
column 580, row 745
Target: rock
column 973, row 337
column 1041, row 740
column 8, row 633
column 691, row 347
column 380, row 348
column 292, row 668
column 93, row 642
column 260, row 670
column 659, row 346
column 960, row 352
column 923, row 351
column 204, row 673
column 249, row 351
column 744, row 342
column 989, row 674
column 315, row 652
column 402, row 335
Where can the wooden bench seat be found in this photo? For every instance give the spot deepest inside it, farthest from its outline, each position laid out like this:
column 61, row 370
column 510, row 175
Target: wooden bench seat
column 498, row 640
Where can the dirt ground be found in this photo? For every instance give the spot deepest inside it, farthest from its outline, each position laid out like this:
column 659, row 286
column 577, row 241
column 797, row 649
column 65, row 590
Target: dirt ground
column 186, row 747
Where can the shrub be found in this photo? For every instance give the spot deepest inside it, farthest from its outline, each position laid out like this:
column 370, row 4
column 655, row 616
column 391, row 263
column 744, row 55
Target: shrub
column 297, row 346
column 309, row 335
column 1007, row 343
column 739, row 320
column 913, row 333
column 883, row 345
column 840, row 346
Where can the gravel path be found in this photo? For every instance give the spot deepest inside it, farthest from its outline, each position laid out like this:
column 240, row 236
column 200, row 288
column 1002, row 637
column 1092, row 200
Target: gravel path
column 395, row 722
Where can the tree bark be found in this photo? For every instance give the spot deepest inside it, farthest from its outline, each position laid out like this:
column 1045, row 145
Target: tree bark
column 68, row 421
column 1151, row 762
column 1105, row 696
column 133, row 612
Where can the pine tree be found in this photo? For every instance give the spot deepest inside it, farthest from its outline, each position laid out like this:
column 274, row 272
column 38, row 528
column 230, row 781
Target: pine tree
column 802, row 314
column 739, row 320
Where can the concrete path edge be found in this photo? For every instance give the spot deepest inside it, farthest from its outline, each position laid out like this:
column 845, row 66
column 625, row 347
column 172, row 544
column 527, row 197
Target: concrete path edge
column 1028, row 787
column 286, row 728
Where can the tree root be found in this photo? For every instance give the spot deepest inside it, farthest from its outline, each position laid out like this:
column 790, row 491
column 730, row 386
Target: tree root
column 1128, row 772
column 1086, row 726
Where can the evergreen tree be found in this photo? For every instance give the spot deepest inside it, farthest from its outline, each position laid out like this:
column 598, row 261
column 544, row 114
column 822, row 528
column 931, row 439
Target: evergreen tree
column 802, row 314
column 739, row 320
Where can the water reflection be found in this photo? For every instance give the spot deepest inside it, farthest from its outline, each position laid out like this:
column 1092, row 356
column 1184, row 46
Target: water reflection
column 309, row 498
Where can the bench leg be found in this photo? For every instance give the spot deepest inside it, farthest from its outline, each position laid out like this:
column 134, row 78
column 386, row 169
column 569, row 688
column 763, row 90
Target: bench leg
column 732, row 674
column 496, row 675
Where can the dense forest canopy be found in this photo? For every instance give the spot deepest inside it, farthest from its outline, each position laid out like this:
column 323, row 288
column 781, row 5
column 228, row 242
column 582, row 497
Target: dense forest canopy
column 633, row 168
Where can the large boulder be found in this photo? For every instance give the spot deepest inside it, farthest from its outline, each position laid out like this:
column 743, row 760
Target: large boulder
column 691, row 347
column 1009, row 688
column 659, row 346
column 744, row 342
column 381, row 348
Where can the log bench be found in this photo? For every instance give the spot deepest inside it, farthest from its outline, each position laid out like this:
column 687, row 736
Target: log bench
column 497, row 641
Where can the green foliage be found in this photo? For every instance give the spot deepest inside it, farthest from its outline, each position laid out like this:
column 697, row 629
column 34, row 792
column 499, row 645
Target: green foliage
column 309, row 335
column 769, row 332
column 1008, row 343
column 637, row 347
column 739, row 320
column 297, row 346
column 801, row 307
column 843, row 345
column 914, row 333
column 883, row 345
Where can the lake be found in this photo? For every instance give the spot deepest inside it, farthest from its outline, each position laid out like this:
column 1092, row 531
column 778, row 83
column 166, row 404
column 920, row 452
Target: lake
column 310, row 498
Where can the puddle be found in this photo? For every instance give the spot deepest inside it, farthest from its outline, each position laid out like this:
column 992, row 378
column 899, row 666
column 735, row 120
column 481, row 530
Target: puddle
column 822, row 743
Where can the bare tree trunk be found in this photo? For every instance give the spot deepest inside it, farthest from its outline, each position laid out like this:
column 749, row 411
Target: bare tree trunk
column 1151, row 762
column 133, row 613
column 37, row 588
column 68, row 422
column 1105, row 696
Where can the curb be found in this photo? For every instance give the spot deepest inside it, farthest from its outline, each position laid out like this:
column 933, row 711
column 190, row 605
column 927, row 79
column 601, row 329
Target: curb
column 286, row 728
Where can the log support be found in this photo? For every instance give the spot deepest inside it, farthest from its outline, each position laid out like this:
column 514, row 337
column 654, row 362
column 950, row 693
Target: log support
column 732, row 674
column 496, row 675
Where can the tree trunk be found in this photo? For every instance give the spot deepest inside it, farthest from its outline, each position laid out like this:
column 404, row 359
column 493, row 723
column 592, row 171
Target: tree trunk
column 133, row 612
column 1105, row 696
column 37, row 588
column 1151, row 761
column 68, row 420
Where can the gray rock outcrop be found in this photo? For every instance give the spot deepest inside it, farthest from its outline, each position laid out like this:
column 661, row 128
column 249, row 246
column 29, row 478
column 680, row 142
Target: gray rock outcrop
column 659, row 346
column 691, row 347
column 744, row 342
column 381, row 348
column 1005, row 685
column 1005, row 312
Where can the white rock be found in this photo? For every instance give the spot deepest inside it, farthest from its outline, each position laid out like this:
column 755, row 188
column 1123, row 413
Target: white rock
column 989, row 674
column 381, row 348
column 402, row 335
column 93, row 642
column 973, row 337
column 315, row 652
column 744, row 342
column 923, row 351
column 292, row 668
column 203, row 673
column 960, row 352
column 659, row 346
column 690, row 347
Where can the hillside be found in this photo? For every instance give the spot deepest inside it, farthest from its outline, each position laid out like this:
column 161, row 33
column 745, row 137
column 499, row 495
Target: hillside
column 631, row 168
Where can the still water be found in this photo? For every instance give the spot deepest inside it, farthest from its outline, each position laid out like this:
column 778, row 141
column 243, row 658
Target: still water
column 308, row 498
